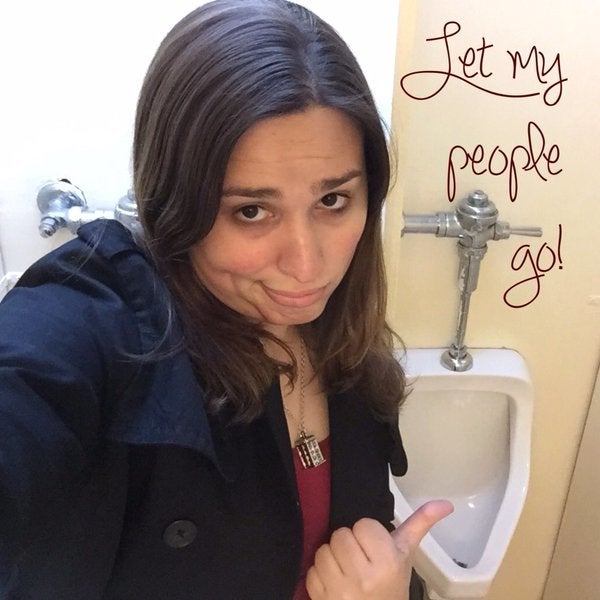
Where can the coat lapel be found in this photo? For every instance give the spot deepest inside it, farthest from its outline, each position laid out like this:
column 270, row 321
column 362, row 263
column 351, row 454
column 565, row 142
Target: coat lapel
column 278, row 425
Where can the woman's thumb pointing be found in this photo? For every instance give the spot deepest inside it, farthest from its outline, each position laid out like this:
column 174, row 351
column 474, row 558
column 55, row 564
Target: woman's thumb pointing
column 409, row 534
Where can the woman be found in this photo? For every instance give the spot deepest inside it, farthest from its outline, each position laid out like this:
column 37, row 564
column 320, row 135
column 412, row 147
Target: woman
column 210, row 412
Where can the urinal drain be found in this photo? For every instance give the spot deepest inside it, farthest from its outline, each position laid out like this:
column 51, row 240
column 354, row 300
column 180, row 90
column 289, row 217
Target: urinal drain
column 464, row 565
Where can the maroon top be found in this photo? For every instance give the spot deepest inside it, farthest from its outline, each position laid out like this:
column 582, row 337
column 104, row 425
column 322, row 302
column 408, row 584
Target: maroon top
column 313, row 490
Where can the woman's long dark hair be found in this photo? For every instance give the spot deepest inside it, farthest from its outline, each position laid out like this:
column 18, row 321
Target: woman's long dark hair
column 219, row 71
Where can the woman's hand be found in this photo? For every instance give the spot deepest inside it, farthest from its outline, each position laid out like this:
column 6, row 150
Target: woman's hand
column 367, row 562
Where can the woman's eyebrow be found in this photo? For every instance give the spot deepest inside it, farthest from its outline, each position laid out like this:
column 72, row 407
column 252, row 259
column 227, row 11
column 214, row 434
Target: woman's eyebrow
column 269, row 192
column 333, row 182
column 249, row 192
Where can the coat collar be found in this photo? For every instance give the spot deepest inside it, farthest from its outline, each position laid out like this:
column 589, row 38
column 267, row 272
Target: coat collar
column 164, row 404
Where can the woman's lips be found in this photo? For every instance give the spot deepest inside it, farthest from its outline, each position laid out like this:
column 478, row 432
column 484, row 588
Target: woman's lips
column 295, row 299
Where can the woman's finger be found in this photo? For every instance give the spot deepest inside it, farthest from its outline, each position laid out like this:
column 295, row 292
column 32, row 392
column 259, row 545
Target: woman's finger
column 347, row 550
column 374, row 540
column 410, row 533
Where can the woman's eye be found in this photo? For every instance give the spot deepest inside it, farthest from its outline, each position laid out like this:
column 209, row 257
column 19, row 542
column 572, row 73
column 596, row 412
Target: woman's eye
column 334, row 200
column 252, row 212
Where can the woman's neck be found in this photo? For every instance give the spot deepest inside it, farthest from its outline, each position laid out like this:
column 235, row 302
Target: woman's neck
column 288, row 335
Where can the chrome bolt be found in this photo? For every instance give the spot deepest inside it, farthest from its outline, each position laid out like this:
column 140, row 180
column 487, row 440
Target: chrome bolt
column 48, row 226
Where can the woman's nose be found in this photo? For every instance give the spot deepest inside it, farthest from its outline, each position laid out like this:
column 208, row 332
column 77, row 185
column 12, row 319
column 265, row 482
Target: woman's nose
column 300, row 252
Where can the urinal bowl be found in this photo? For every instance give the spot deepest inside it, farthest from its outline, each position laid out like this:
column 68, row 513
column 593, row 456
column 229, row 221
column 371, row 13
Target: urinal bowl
column 467, row 438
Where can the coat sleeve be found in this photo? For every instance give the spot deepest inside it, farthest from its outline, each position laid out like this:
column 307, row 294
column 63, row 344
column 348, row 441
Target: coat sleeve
column 58, row 342
column 396, row 453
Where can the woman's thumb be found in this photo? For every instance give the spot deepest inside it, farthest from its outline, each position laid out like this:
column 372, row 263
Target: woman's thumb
column 409, row 534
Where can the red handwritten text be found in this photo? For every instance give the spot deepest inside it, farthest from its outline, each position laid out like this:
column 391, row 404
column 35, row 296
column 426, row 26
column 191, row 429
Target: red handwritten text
column 547, row 72
column 532, row 157
column 545, row 260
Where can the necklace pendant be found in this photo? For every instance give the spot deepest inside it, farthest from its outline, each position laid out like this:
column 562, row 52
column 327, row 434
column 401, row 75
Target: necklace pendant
column 309, row 451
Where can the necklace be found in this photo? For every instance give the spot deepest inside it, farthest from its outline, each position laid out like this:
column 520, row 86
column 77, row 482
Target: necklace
column 307, row 444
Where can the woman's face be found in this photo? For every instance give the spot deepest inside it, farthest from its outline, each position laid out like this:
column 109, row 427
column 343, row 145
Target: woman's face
column 293, row 209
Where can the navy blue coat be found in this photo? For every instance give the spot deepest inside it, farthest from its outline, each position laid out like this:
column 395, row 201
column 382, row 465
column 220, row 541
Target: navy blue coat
column 115, row 484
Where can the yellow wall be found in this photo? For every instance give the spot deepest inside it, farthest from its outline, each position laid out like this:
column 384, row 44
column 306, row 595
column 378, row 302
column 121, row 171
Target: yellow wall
column 574, row 570
column 559, row 332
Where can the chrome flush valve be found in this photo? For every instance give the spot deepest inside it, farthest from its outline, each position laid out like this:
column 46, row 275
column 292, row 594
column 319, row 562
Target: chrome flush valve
column 474, row 223
column 63, row 204
column 55, row 200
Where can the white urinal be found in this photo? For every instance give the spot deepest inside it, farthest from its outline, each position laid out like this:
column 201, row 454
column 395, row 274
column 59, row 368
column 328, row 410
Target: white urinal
column 467, row 438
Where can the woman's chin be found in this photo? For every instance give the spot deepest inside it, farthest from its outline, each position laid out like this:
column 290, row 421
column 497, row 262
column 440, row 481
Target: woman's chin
column 281, row 321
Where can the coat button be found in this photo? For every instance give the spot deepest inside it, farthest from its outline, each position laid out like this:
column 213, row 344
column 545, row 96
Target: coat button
column 180, row 534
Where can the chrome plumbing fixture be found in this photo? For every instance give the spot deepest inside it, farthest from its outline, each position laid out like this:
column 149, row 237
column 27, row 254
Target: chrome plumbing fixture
column 63, row 204
column 474, row 223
